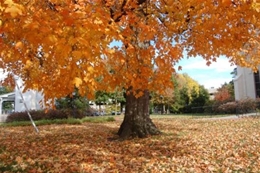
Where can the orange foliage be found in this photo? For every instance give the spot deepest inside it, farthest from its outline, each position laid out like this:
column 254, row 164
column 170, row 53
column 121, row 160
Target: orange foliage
column 222, row 95
column 57, row 45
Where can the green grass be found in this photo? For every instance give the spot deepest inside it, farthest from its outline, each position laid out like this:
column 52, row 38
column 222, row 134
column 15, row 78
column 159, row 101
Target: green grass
column 103, row 119
column 170, row 116
column 71, row 121
column 98, row 119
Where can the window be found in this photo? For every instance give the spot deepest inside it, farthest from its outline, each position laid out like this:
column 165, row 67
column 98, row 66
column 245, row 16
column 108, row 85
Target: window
column 257, row 83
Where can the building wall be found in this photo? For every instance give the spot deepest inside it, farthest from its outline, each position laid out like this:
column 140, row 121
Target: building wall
column 32, row 99
column 212, row 91
column 244, row 84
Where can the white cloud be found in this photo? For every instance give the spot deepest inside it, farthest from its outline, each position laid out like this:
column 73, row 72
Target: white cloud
column 222, row 64
column 214, row 82
column 214, row 75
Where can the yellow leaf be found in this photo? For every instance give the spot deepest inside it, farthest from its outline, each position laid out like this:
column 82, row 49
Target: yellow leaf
column 86, row 78
column 53, row 38
column 9, row 2
column 98, row 21
column 28, row 64
column 19, row 45
column 13, row 8
column 77, row 54
column 111, row 51
column 90, row 69
column 256, row 6
column 77, row 81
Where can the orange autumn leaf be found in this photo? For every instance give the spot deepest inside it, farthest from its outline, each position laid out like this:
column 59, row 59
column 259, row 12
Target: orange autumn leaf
column 12, row 8
column 104, row 45
column 89, row 147
column 77, row 81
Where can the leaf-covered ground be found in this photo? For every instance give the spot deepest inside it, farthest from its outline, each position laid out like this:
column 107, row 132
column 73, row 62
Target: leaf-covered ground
column 187, row 145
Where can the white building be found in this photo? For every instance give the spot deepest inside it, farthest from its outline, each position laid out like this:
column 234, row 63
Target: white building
column 246, row 83
column 32, row 99
column 212, row 91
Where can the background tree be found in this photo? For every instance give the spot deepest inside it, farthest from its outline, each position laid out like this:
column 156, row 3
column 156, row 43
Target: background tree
column 176, row 105
column 191, row 85
column 185, row 100
column 199, row 100
column 188, row 89
column 101, row 98
column 187, row 93
column 231, row 90
column 118, row 97
column 74, row 101
column 162, row 103
column 4, row 90
column 57, row 45
column 225, row 93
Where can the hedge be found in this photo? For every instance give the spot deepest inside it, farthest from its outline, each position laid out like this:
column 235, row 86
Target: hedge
column 49, row 114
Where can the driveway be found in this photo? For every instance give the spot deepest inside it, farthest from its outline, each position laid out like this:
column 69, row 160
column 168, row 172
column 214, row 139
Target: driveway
column 3, row 117
column 233, row 116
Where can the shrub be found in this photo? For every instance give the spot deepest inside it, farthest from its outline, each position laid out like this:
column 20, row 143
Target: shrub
column 239, row 107
column 23, row 116
column 257, row 102
column 246, row 106
column 55, row 114
column 228, row 108
column 90, row 111
column 44, row 115
column 74, row 113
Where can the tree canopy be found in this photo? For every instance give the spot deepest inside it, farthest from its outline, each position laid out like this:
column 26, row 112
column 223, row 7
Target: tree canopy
column 225, row 93
column 56, row 45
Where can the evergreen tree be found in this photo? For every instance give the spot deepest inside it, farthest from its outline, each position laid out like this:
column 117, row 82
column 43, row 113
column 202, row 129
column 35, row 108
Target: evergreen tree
column 199, row 100
column 73, row 102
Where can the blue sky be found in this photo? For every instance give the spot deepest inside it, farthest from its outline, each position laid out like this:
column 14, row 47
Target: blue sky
column 210, row 76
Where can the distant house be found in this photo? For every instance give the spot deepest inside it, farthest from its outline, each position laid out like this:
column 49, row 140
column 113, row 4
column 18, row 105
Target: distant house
column 246, row 83
column 32, row 100
column 212, row 91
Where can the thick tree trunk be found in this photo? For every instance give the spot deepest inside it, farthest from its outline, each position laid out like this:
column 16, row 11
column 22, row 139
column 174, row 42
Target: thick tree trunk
column 137, row 122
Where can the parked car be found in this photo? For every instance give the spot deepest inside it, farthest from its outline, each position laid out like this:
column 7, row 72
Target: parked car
column 99, row 113
column 94, row 112
column 116, row 113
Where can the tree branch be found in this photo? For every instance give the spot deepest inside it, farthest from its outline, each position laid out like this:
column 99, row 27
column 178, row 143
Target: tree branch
column 51, row 5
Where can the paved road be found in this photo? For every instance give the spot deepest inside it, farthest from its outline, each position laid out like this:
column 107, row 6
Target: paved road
column 3, row 117
column 233, row 116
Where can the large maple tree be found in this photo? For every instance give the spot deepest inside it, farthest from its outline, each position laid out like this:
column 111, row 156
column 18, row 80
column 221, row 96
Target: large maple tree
column 57, row 45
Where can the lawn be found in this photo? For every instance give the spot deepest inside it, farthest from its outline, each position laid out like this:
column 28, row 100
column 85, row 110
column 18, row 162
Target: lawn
column 186, row 145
